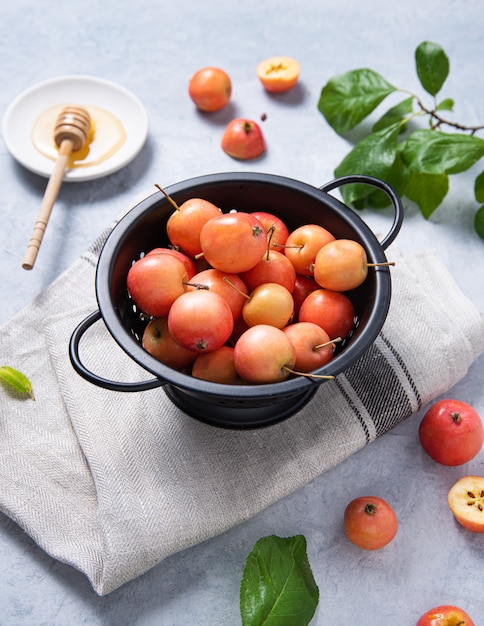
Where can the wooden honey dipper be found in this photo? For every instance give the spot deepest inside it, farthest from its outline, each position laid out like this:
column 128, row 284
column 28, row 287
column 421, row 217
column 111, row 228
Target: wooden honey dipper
column 70, row 134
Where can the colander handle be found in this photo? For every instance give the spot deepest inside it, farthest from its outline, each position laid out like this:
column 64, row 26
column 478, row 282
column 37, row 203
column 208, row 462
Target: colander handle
column 383, row 186
column 94, row 378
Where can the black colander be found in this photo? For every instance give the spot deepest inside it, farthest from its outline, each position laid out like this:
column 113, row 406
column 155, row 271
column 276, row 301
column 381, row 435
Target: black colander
column 297, row 203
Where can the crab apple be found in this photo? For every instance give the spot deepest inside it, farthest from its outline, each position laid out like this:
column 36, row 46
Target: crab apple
column 158, row 341
column 210, row 88
column 274, row 267
column 186, row 222
column 312, row 344
column 240, row 326
column 263, row 354
column 445, row 615
column 186, row 260
column 216, row 366
column 342, row 265
column 466, row 501
column 233, row 242
column 230, row 286
column 275, row 227
column 451, row 432
column 243, row 139
column 370, row 522
column 155, row 281
column 332, row 310
column 269, row 303
column 303, row 244
column 303, row 286
column 200, row 320
column 278, row 74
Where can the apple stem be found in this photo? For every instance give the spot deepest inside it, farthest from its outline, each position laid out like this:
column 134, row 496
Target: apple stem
column 280, row 245
column 270, row 235
column 242, row 293
column 307, row 374
column 386, row 263
column 168, row 197
column 327, row 343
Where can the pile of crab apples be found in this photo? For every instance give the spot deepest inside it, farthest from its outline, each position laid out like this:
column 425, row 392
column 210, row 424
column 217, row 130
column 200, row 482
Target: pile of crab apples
column 237, row 298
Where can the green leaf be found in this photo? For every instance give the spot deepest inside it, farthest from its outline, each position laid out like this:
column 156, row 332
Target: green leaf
column 433, row 152
column 432, row 66
column 17, row 380
column 445, row 105
column 479, row 222
column 479, row 187
column 278, row 587
column 348, row 98
column 427, row 191
column 373, row 156
column 395, row 114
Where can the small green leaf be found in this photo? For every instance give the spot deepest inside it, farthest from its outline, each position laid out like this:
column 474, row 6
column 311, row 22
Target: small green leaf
column 433, row 152
column 445, row 105
column 373, row 156
column 348, row 98
column 17, row 380
column 479, row 187
column 479, row 222
column 278, row 587
column 432, row 66
column 395, row 114
column 427, row 191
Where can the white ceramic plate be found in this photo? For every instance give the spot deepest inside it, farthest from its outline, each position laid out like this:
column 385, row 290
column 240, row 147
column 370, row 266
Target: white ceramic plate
column 22, row 112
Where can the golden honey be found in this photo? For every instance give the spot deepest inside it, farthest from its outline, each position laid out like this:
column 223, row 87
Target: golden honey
column 106, row 136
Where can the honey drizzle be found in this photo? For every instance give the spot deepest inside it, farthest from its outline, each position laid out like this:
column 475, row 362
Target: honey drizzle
column 106, row 136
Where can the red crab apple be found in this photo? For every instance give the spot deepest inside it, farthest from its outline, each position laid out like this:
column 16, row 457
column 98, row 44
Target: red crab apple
column 275, row 227
column 243, row 139
column 230, row 286
column 233, row 242
column 370, row 522
column 332, row 310
column 200, row 320
column 158, row 341
column 269, row 303
column 210, row 89
column 155, row 281
column 274, row 267
column 445, row 615
column 451, row 432
column 303, row 286
column 186, row 222
column 312, row 344
column 263, row 354
column 342, row 265
column 303, row 244
column 186, row 260
column 466, row 501
column 240, row 326
column 216, row 366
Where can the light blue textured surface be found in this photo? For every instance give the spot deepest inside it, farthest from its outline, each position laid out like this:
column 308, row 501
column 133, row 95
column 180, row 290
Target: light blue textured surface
column 152, row 48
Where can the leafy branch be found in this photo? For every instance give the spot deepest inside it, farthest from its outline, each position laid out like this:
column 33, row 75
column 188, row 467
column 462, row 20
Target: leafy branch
column 439, row 121
column 416, row 161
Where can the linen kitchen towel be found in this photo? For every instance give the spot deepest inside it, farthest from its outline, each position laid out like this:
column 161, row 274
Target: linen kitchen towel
column 112, row 482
